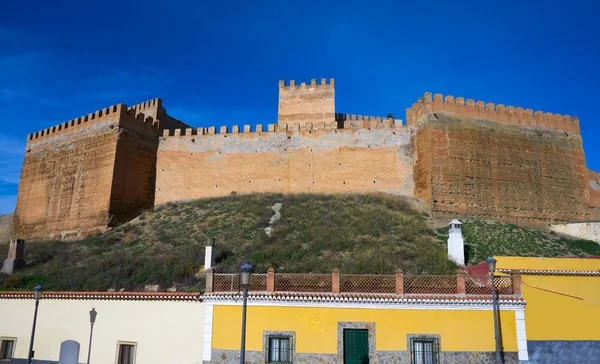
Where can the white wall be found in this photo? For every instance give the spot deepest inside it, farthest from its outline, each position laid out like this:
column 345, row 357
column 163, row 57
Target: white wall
column 582, row 230
column 165, row 331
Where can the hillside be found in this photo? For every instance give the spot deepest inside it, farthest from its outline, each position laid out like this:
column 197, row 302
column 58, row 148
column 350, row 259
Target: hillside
column 315, row 233
column 487, row 238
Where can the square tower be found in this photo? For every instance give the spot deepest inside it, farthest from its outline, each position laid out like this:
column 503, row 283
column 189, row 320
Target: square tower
column 306, row 103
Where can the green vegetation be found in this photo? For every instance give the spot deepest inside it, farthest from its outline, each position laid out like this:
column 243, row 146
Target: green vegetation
column 487, row 238
column 316, row 233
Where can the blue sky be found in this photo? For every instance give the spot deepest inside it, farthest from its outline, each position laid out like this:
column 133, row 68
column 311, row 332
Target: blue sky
column 218, row 63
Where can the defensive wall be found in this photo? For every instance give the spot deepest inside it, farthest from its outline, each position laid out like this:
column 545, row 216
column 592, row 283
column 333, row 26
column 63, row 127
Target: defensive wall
column 366, row 154
column 461, row 158
column 89, row 173
column 498, row 162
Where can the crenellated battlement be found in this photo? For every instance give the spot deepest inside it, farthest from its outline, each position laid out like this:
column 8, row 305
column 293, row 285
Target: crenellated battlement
column 312, row 103
column 154, row 104
column 313, row 84
column 115, row 114
column 498, row 112
column 353, row 121
column 344, row 122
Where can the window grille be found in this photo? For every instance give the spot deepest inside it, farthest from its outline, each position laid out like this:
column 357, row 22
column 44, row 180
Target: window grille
column 126, row 354
column 7, row 350
column 279, row 349
column 425, row 350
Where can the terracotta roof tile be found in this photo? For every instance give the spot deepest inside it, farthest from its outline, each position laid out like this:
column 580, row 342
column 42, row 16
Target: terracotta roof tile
column 131, row 296
column 365, row 298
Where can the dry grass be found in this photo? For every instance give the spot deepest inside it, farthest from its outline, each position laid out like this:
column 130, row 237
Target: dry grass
column 316, row 233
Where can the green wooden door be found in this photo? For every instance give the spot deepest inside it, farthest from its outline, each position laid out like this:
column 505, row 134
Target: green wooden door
column 356, row 346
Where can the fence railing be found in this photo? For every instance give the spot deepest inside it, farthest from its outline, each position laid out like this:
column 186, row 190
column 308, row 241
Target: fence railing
column 399, row 283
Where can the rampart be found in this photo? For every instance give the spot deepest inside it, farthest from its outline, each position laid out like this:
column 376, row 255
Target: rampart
column 489, row 111
column 459, row 158
column 287, row 159
column 87, row 174
column 523, row 173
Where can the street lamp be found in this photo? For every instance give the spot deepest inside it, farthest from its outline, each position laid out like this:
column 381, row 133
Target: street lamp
column 245, row 278
column 93, row 314
column 491, row 263
column 37, row 294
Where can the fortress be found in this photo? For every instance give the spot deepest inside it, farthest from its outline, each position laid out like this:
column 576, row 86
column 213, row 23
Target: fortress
column 460, row 158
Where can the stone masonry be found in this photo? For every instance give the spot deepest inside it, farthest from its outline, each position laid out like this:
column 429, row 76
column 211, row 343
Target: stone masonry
column 460, row 158
column 90, row 173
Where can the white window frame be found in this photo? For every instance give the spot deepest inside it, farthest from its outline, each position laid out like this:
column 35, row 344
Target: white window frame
column 14, row 340
column 132, row 343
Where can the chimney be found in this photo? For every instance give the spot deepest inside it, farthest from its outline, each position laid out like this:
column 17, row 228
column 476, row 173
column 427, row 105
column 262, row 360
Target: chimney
column 209, row 253
column 456, row 244
column 16, row 257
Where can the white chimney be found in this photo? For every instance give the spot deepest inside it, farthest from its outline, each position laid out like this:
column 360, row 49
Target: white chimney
column 209, row 253
column 456, row 244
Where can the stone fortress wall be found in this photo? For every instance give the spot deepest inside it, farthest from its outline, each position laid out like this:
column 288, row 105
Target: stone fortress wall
column 499, row 162
column 89, row 173
column 465, row 159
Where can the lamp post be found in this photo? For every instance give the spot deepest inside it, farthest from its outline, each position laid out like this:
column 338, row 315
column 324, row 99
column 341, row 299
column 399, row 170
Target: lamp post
column 93, row 314
column 245, row 277
column 491, row 263
column 37, row 294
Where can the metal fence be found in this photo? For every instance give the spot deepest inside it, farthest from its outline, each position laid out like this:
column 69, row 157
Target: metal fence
column 224, row 282
column 430, row 284
column 292, row 282
column 481, row 285
column 367, row 283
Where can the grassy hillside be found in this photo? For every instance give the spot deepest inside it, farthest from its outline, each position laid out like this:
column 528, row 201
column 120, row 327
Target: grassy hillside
column 355, row 233
column 316, row 233
column 486, row 238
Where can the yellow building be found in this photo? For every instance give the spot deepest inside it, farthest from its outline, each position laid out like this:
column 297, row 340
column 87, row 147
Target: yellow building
column 358, row 319
column 563, row 307
column 549, row 313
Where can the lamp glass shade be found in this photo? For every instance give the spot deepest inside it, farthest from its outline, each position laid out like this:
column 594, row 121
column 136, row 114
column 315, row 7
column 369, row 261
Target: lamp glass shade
column 93, row 314
column 245, row 274
column 491, row 263
column 37, row 292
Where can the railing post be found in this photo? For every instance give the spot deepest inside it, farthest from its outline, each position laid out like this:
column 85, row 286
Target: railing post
column 461, row 288
column 270, row 279
column 517, row 282
column 399, row 281
column 335, row 280
column 208, row 275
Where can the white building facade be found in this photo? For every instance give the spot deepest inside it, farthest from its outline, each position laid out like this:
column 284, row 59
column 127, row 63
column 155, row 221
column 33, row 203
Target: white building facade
column 130, row 327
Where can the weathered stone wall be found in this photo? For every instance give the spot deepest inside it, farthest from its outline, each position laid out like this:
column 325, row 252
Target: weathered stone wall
column 87, row 174
column 134, row 177
column 287, row 161
column 306, row 103
column 489, row 169
column 66, row 183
